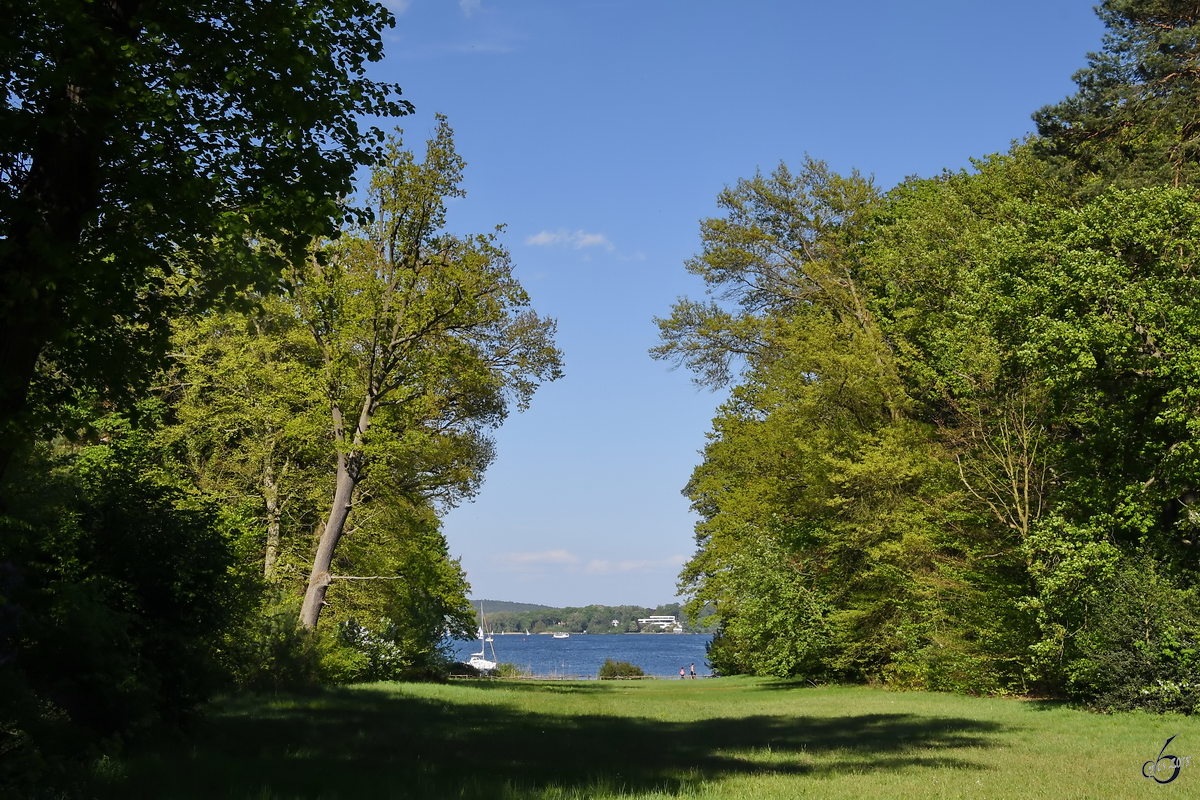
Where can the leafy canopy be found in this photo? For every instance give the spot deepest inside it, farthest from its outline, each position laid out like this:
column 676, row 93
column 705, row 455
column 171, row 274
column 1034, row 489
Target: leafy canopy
column 145, row 147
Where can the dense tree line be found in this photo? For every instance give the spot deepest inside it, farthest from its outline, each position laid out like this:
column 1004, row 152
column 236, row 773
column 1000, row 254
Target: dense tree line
column 235, row 395
column 587, row 619
column 960, row 445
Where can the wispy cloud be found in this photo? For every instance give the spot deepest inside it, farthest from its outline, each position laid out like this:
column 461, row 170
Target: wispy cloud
column 605, row 567
column 480, row 30
column 526, row 561
column 578, row 240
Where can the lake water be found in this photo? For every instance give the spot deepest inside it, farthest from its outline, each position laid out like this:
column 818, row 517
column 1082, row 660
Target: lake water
column 582, row 654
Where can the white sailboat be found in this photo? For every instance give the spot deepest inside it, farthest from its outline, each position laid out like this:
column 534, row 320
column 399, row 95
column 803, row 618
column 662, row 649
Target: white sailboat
column 479, row 660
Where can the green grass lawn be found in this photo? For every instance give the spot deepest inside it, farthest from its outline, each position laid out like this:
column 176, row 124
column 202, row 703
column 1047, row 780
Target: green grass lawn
column 720, row 738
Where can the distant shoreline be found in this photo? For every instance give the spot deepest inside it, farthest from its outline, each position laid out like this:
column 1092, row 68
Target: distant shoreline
column 605, row 633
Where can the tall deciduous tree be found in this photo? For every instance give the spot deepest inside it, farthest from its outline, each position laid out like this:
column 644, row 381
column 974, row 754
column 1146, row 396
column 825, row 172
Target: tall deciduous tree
column 814, row 474
column 248, row 421
column 145, row 138
column 832, row 501
column 425, row 337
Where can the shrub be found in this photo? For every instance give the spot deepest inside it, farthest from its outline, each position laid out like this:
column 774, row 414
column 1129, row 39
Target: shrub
column 506, row 669
column 117, row 589
column 1140, row 647
column 270, row 651
column 619, row 669
column 379, row 657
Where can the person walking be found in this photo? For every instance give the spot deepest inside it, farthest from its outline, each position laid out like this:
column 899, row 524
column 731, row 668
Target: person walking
column 681, row 673
column 693, row 670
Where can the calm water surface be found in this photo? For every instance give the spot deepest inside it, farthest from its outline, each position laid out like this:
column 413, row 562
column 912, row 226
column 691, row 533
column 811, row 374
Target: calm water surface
column 582, row 654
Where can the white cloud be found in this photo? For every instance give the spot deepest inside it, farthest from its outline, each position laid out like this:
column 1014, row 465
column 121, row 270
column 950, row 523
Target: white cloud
column 528, row 560
column 398, row 6
column 578, row 240
column 605, row 567
column 545, row 238
column 590, row 239
column 469, row 7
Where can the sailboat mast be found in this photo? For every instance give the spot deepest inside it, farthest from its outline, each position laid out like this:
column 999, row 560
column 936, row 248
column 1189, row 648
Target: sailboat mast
column 487, row 635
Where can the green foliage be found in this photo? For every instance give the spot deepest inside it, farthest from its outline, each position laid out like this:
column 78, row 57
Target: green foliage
column 619, row 669
column 836, row 538
column 249, row 421
column 1141, row 646
column 156, row 160
column 425, row 603
column 424, row 339
column 776, row 623
column 379, row 657
column 949, row 432
column 154, row 564
column 1134, row 121
column 507, row 669
column 751, row 257
column 127, row 588
column 270, row 651
column 248, row 401
column 144, row 149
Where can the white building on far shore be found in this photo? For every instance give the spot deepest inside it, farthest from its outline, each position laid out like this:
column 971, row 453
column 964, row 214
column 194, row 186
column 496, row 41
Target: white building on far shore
column 663, row 623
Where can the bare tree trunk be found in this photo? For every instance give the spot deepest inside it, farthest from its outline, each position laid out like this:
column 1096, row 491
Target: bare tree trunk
column 271, row 497
column 349, row 473
column 319, row 578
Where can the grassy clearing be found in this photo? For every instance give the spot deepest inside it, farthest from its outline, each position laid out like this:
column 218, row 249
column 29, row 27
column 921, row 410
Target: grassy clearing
column 722, row 738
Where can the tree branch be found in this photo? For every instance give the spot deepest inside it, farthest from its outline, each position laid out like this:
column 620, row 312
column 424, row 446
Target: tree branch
column 366, row 577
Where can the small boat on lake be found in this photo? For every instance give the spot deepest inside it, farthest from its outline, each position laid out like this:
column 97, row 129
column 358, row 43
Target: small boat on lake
column 478, row 660
column 562, row 635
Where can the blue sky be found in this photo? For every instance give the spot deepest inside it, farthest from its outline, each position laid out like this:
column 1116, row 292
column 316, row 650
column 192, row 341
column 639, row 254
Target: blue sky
column 600, row 133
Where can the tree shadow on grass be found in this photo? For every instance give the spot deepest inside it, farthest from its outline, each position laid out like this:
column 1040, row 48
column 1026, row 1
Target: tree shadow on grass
column 784, row 684
column 377, row 744
column 536, row 686
column 1053, row 704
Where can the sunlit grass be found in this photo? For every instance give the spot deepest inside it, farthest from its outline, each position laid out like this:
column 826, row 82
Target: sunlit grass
column 721, row 738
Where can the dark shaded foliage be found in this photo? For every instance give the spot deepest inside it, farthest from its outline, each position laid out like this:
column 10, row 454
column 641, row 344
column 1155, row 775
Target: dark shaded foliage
column 125, row 590
column 1141, row 648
